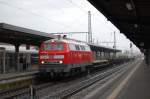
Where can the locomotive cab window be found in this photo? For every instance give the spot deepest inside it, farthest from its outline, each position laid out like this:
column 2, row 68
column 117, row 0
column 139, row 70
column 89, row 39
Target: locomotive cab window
column 53, row 46
column 82, row 48
column 77, row 47
column 87, row 48
column 72, row 47
column 46, row 46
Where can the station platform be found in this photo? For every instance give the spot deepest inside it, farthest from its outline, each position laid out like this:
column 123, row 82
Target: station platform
column 16, row 79
column 138, row 86
column 16, row 74
column 132, row 83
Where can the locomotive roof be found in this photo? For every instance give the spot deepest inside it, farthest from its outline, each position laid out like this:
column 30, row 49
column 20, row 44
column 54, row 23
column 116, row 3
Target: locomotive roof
column 68, row 41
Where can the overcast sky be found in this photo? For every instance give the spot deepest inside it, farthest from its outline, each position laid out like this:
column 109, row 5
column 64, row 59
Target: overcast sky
column 61, row 16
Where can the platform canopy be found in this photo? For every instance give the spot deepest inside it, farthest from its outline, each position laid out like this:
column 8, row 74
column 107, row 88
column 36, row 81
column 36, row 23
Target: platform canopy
column 131, row 17
column 17, row 35
column 95, row 47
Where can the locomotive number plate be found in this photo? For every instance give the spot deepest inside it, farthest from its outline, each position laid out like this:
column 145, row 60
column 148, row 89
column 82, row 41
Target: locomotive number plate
column 44, row 56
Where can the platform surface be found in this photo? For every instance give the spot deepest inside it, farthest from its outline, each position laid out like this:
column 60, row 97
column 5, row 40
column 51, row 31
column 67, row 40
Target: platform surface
column 16, row 74
column 138, row 87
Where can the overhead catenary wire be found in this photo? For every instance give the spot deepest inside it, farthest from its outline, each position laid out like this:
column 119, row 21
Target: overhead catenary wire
column 79, row 7
column 43, row 17
column 33, row 13
column 78, row 19
column 86, row 11
column 64, row 26
column 36, row 14
column 105, row 24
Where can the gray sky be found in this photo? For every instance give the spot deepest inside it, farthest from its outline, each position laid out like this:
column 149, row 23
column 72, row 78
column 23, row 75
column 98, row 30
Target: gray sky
column 61, row 16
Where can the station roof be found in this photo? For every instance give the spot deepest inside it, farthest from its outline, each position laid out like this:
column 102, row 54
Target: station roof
column 103, row 48
column 17, row 35
column 132, row 17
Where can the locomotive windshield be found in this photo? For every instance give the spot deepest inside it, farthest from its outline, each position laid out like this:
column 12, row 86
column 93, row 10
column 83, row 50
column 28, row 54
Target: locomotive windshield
column 53, row 46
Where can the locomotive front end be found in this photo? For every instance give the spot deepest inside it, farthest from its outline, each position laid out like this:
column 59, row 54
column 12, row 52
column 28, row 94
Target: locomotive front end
column 52, row 56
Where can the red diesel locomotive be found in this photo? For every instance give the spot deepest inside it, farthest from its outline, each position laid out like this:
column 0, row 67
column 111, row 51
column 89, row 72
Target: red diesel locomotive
column 63, row 56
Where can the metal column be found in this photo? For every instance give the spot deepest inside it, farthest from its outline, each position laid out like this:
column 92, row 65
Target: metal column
column 2, row 59
column 17, row 56
column 147, row 57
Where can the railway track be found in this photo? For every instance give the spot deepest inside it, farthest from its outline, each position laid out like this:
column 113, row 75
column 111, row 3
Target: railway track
column 75, row 88
column 61, row 90
column 79, row 92
column 19, row 92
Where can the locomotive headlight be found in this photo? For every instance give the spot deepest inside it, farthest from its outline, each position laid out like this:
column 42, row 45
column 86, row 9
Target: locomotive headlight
column 60, row 62
column 58, row 56
column 42, row 62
